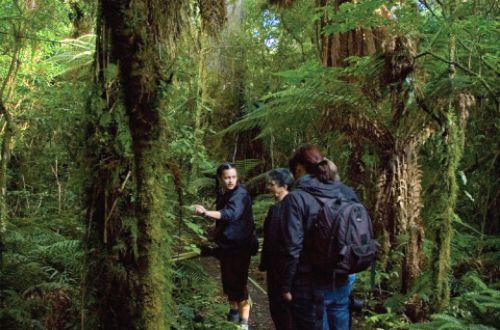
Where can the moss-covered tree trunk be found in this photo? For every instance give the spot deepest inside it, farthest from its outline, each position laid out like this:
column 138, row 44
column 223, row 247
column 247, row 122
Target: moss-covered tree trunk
column 452, row 148
column 5, row 152
column 444, row 197
column 9, row 128
column 444, row 209
column 125, row 283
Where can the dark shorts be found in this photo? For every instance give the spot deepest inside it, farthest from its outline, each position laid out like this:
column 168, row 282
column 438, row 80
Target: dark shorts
column 234, row 270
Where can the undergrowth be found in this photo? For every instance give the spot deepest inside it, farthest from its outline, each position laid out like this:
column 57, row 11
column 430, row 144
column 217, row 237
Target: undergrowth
column 198, row 303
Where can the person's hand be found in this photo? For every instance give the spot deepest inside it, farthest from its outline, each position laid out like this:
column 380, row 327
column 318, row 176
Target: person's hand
column 199, row 210
column 287, row 296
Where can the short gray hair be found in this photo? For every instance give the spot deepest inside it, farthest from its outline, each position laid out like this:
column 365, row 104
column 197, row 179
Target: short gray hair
column 282, row 176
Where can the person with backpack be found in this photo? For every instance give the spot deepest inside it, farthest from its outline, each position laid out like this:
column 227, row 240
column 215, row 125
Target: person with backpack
column 318, row 293
column 235, row 239
column 279, row 181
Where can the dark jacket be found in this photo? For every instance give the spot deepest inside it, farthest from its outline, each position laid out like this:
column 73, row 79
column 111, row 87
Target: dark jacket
column 273, row 249
column 301, row 210
column 235, row 227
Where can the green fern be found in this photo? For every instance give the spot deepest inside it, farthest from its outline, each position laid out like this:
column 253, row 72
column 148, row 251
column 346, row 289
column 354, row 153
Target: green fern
column 445, row 321
column 246, row 166
column 76, row 56
column 476, row 306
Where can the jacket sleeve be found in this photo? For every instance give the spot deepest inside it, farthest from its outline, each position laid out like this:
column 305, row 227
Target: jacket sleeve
column 264, row 257
column 293, row 232
column 235, row 207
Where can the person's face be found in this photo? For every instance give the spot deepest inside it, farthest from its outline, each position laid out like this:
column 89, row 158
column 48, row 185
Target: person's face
column 229, row 178
column 275, row 189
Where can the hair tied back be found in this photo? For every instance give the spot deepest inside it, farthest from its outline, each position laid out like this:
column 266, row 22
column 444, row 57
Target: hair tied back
column 323, row 162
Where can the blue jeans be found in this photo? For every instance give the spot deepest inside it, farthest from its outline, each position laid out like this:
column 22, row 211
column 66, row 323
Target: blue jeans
column 336, row 306
column 321, row 308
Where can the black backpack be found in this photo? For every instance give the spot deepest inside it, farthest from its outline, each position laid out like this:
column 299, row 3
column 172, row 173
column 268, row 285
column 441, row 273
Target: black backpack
column 341, row 239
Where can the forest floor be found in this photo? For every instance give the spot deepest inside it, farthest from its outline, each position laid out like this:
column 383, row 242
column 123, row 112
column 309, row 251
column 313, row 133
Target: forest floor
column 260, row 318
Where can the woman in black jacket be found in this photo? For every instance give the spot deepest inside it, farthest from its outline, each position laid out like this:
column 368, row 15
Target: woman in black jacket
column 317, row 301
column 273, row 250
column 235, row 232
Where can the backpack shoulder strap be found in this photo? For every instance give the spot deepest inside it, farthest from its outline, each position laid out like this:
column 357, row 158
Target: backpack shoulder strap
column 324, row 201
column 330, row 201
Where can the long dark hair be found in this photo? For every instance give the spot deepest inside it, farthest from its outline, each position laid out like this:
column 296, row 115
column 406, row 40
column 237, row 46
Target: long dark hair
column 220, row 169
column 313, row 161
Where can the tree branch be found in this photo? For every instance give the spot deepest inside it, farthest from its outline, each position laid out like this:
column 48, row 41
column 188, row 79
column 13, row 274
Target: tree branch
column 460, row 66
column 426, row 5
column 480, row 57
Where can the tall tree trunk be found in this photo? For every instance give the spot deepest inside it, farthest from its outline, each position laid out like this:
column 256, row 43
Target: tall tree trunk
column 9, row 131
column 125, row 285
column 228, row 95
column 456, row 114
column 398, row 208
column 336, row 47
column 5, row 152
column 200, row 104
column 212, row 18
column 445, row 199
column 397, row 213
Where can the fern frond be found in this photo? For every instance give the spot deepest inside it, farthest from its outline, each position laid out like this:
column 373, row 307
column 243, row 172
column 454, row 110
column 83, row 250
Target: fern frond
column 77, row 55
column 319, row 98
column 245, row 166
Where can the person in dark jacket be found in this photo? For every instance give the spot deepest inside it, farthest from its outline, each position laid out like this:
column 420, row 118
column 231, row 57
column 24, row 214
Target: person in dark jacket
column 234, row 238
column 273, row 249
column 317, row 302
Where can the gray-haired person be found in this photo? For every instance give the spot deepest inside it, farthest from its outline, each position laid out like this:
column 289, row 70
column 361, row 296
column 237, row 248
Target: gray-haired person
column 278, row 184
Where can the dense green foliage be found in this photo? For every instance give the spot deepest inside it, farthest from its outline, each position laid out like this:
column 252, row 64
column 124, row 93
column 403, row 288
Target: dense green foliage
column 252, row 93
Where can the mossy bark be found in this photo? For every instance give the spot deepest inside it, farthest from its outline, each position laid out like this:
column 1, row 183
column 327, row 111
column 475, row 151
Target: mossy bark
column 6, row 145
column 452, row 148
column 5, row 153
column 125, row 285
column 444, row 208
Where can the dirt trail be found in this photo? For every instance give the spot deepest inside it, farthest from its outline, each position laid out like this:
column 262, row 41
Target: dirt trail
column 260, row 318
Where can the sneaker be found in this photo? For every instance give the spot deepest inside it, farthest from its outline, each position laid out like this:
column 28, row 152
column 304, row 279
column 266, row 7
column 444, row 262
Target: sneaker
column 244, row 327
